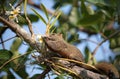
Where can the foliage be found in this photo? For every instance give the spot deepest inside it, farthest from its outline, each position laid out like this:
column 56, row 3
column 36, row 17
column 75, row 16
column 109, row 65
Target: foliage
column 94, row 17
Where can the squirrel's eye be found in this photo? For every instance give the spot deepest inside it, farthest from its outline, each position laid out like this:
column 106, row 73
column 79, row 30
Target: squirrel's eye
column 51, row 39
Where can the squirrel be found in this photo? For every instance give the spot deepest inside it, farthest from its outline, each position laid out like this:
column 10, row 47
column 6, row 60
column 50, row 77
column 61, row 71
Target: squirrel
column 56, row 43
column 108, row 69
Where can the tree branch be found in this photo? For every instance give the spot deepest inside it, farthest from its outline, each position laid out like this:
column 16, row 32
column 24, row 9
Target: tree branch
column 21, row 33
column 115, row 33
column 74, row 69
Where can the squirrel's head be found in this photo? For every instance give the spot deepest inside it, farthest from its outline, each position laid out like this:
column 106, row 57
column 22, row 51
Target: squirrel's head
column 53, row 37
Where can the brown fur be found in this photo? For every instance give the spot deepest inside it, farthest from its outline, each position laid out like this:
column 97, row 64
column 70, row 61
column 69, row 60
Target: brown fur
column 56, row 43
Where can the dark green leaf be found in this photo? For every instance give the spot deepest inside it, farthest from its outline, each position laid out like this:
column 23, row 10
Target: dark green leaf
column 60, row 3
column 117, row 62
column 118, row 10
column 29, row 49
column 92, row 19
column 10, row 75
column 5, row 55
column 57, row 4
column 83, row 8
column 35, row 76
column 2, row 30
column 32, row 17
column 74, row 39
column 115, row 43
column 98, row 2
column 87, row 54
column 21, row 71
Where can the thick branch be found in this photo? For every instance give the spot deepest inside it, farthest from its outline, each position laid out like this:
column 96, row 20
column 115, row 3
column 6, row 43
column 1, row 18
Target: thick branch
column 88, row 74
column 20, row 32
column 76, row 69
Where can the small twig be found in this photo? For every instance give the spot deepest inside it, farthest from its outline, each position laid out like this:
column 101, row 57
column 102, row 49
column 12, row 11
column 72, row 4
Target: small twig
column 28, row 20
column 30, row 26
column 102, row 34
column 2, row 43
column 48, row 76
column 11, row 60
column 115, row 33
column 89, row 40
column 102, row 48
column 42, row 75
column 19, row 3
column 7, row 39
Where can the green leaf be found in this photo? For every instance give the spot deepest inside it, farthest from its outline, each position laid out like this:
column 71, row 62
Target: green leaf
column 32, row 17
column 22, row 20
column 60, row 77
column 45, row 10
column 83, row 8
column 90, row 9
column 87, row 54
column 10, row 75
column 5, row 55
column 35, row 76
column 118, row 10
column 14, row 48
column 39, row 16
column 21, row 71
column 92, row 19
column 53, row 15
column 74, row 16
column 116, row 62
column 60, row 3
column 55, row 19
column 73, row 39
column 98, row 2
column 115, row 43
column 16, row 44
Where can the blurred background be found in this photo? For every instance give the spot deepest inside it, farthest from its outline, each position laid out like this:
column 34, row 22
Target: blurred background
column 84, row 23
